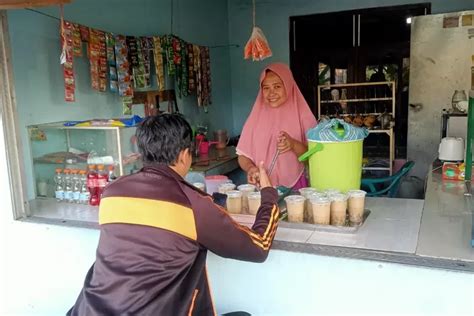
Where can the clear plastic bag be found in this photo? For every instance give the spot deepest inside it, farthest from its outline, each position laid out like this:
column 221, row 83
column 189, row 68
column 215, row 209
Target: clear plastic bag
column 257, row 46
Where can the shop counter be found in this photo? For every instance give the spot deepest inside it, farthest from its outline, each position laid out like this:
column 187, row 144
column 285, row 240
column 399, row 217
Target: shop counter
column 434, row 232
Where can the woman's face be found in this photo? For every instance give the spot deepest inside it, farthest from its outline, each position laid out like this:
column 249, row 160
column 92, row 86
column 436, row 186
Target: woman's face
column 274, row 92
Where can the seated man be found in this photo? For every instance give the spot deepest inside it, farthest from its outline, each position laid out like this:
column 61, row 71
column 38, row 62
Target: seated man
column 155, row 230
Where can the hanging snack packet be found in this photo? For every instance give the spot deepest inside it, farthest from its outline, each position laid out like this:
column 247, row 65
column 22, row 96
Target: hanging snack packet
column 84, row 33
column 102, row 62
column 113, row 78
column 94, row 55
column 67, row 61
column 257, row 46
column 158, row 58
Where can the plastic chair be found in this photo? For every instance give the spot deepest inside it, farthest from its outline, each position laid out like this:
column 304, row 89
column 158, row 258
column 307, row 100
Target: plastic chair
column 372, row 186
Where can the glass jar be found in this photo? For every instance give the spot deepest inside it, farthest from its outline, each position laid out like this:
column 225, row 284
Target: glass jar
column 458, row 96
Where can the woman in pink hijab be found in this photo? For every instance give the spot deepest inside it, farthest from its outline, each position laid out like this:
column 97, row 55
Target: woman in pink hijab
column 278, row 122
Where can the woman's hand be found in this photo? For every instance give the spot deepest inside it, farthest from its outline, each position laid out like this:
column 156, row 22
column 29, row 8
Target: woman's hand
column 253, row 175
column 285, row 142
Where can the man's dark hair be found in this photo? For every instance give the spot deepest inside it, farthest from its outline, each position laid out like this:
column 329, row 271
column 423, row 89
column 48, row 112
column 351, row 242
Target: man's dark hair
column 160, row 138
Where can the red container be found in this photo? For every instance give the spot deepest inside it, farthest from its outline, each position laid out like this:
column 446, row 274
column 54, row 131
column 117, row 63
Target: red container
column 102, row 177
column 92, row 185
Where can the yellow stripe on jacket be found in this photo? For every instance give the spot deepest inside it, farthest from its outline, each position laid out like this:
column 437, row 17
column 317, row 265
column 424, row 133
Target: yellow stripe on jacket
column 147, row 212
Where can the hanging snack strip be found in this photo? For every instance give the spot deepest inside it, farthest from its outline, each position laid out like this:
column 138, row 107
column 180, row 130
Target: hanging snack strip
column 168, row 47
column 184, row 74
column 76, row 40
column 141, row 73
column 84, row 30
column 102, row 62
column 67, row 61
column 94, row 55
column 197, row 67
column 191, row 69
column 113, row 78
column 158, row 57
column 123, row 67
column 205, row 76
column 147, row 48
column 184, row 81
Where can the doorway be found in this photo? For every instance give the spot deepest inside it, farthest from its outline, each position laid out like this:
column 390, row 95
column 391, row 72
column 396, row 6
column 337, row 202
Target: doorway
column 350, row 47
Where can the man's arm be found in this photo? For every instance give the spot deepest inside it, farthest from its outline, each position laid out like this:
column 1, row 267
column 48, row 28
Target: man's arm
column 219, row 233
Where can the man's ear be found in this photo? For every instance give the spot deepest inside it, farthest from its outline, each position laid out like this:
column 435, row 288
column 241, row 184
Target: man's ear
column 187, row 151
column 183, row 155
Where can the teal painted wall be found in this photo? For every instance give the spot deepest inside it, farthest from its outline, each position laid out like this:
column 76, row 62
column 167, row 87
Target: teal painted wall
column 38, row 76
column 273, row 17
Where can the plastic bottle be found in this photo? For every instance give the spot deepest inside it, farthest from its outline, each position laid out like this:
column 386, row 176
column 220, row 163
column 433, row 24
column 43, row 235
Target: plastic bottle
column 67, row 185
column 76, row 186
column 84, row 195
column 59, row 188
column 92, row 186
column 101, row 180
column 111, row 175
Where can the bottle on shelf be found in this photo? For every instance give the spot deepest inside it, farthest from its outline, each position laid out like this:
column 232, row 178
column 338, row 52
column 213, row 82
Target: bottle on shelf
column 92, row 185
column 101, row 180
column 84, row 194
column 59, row 188
column 111, row 175
column 67, row 185
column 76, row 186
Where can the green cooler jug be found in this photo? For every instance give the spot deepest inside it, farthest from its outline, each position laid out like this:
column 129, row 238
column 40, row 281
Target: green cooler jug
column 334, row 165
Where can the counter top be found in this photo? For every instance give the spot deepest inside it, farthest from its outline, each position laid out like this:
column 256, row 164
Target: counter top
column 446, row 224
column 433, row 233
column 392, row 225
column 217, row 161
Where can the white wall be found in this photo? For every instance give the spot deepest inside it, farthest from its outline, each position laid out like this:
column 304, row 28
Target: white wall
column 46, row 266
column 440, row 62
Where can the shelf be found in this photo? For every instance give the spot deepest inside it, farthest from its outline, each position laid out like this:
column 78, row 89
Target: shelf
column 387, row 131
column 60, row 125
column 49, row 162
column 355, row 100
column 360, row 84
column 376, row 168
column 39, row 161
column 355, row 114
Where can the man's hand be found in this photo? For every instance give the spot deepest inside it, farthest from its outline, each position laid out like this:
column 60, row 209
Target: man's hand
column 285, row 142
column 264, row 179
column 253, row 175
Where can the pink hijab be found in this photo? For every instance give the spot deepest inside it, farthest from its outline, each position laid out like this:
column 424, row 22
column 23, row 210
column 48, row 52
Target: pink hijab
column 258, row 141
